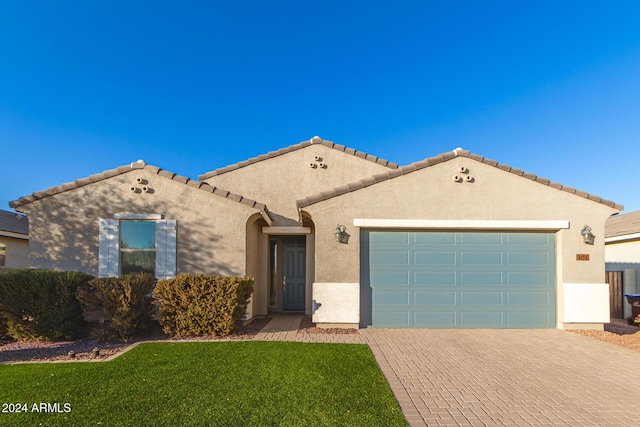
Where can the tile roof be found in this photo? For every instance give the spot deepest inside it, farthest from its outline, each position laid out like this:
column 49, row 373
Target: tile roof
column 623, row 224
column 140, row 164
column 315, row 140
column 458, row 152
column 14, row 222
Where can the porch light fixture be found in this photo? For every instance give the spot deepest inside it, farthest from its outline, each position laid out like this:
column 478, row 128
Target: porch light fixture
column 341, row 234
column 587, row 235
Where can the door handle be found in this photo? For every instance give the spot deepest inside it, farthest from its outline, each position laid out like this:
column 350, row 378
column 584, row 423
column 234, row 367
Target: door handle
column 284, row 283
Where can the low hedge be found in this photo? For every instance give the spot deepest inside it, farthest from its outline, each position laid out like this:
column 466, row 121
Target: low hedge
column 42, row 304
column 196, row 305
column 119, row 307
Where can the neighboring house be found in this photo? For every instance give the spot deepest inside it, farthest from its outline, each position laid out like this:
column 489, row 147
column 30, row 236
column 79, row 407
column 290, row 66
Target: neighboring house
column 14, row 240
column 622, row 256
column 455, row 240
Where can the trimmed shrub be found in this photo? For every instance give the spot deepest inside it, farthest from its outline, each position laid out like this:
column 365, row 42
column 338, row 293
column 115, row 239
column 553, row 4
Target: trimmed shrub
column 42, row 304
column 194, row 305
column 3, row 328
column 119, row 307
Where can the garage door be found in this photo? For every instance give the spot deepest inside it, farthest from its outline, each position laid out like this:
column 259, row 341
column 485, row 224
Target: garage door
column 461, row 279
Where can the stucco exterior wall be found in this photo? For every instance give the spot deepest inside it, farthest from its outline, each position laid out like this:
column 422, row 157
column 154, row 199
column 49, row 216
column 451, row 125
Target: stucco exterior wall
column 17, row 252
column 623, row 252
column 211, row 229
column 431, row 193
column 280, row 181
column 257, row 253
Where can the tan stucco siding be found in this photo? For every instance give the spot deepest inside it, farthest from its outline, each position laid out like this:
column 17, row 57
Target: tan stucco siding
column 211, row 229
column 431, row 193
column 280, row 181
column 17, row 252
column 623, row 252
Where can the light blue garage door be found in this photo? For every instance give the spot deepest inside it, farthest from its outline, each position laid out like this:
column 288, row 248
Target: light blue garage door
column 461, row 279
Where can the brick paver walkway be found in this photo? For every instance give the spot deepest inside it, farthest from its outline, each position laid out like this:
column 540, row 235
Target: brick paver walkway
column 496, row 377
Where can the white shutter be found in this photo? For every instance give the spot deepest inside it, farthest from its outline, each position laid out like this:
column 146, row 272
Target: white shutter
column 109, row 247
column 166, row 248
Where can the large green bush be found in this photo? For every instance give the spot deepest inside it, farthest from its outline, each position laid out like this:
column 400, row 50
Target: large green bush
column 193, row 305
column 119, row 307
column 42, row 304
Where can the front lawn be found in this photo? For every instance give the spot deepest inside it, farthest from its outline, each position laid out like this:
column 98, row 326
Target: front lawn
column 206, row 383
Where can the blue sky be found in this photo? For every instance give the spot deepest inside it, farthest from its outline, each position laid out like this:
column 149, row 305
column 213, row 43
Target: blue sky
column 550, row 87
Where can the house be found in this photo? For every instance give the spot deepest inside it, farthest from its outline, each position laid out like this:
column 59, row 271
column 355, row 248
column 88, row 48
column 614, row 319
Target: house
column 14, row 240
column 622, row 257
column 452, row 241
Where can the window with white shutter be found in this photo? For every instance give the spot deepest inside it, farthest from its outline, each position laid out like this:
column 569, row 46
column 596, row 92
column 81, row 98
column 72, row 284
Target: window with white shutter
column 131, row 243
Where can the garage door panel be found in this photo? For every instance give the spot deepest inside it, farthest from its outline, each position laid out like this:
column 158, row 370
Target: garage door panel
column 392, row 319
column 462, row 279
column 388, row 238
column 438, row 319
column 435, row 238
column 528, row 239
column 435, row 298
column 481, row 239
column 434, row 258
column 529, row 278
column 541, row 299
column 400, row 277
column 528, row 258
column 477, row 278
column 485, row 298
column 480, row 258
column 529, row 319
column 384, row 297
column 434, row 278
column 390, row 258
column 481, row 319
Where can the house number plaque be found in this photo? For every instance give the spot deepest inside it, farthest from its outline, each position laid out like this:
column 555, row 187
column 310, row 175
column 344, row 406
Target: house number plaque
column 582, row 257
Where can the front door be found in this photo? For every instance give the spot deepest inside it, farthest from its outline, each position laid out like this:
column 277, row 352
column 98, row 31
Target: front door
column 293, row 267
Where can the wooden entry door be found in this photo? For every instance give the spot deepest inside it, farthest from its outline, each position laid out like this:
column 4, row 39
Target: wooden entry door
column 294, row 273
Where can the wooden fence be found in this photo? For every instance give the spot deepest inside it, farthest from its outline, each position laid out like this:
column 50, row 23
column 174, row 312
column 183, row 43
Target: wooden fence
column 616, row 298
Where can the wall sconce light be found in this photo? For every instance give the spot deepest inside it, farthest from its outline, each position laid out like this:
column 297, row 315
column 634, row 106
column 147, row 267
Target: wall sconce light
column 341, row 234
column 587, row 235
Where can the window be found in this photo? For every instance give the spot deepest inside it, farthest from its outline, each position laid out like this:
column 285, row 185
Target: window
column 137, row 247
column 134, row 243
column 3, row 255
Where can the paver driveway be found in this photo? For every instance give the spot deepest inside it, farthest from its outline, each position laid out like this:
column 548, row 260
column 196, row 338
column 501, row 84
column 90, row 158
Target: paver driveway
column 494, row 377
column 508, row 377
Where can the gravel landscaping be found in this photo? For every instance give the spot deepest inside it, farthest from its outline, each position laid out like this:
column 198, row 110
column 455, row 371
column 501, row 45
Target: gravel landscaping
column 618, row 332
column 46, row 351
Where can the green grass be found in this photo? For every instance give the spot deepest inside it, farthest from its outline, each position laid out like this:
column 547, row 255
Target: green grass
column 209, row 384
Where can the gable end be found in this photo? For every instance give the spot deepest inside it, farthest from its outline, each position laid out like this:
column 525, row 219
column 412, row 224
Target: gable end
column 316, row 140
column 458, row 152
